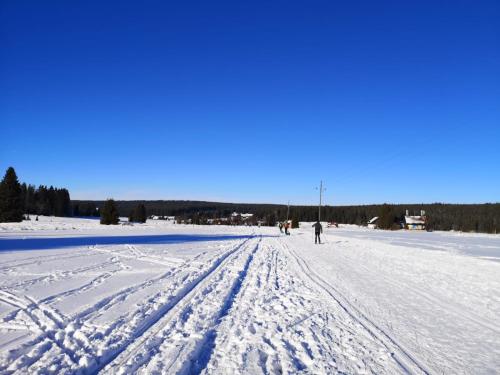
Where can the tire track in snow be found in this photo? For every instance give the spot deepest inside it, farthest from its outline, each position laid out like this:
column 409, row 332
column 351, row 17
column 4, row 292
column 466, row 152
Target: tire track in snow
column 408, row 362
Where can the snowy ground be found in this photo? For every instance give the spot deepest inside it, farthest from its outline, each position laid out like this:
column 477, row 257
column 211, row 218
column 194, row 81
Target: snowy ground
column 164, row 298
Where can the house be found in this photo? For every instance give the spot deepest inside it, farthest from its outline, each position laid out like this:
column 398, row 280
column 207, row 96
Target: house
column 220, row 221
column 237, row 218
column 372, row 224
column 415, row 222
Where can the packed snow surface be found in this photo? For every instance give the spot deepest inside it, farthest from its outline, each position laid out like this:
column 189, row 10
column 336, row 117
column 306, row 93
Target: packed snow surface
column 79, row 297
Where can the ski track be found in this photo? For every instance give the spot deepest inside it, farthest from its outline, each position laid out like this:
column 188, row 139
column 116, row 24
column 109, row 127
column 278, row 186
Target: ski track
column 254, row 305
column 407, row 360
column 164, row 341
column 69, row 344
column 441, row 310
column 139, row 255
column 177, row 322
column 438, row 301
column 40, row 260
column 286, row 327
column 50, row 324
column 61, row 275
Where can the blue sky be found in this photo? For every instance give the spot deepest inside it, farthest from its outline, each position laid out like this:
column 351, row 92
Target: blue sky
column 387, row 101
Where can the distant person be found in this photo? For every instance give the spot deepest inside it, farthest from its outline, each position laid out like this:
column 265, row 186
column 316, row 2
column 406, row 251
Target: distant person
column 280, row 225
column 318, row 229
column 287, row 225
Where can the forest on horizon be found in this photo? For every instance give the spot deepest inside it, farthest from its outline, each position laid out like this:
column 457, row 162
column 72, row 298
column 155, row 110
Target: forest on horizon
column 441, row 216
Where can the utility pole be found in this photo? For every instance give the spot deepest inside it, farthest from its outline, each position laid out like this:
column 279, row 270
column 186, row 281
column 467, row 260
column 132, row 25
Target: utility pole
column 321, row 190
column 287, row 211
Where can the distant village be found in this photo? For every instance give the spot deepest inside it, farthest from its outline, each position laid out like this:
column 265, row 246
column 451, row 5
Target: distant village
column 410, row 222
column 235, row 218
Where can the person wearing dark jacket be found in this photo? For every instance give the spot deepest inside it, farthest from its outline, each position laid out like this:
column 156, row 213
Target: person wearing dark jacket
column 318, row 229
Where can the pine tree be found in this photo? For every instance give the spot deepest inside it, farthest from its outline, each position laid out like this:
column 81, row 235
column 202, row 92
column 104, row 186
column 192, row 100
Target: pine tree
column 386, row 217
column 11, row 204
column 140, row 215
column 109, row 213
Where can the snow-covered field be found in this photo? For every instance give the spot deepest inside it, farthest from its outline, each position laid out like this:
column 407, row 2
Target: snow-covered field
column 164, row 298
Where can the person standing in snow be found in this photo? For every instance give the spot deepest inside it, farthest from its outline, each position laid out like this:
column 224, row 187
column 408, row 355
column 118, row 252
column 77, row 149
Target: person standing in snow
column 287, row 225
column 281, row 227
column 318, row 229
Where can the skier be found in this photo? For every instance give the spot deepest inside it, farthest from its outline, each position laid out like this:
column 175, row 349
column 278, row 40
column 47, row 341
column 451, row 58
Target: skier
column 318, row 229
column 287, row 225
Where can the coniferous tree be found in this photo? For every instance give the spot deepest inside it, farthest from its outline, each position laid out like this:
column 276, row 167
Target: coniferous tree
column 11, row 204
column 109, row 213
column 460, row 217
column 62, row 203
column 271, row 220
column 24, row 197
column 30, row 203
column 43, row 201
column 138, row 214
column 386, row 217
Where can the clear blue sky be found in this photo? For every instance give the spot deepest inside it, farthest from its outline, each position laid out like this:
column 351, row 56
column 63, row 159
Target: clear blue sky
column 386, row 101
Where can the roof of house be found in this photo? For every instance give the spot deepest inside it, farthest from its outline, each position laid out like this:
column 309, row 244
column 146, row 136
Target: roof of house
column 235, row 214
column 414, row 220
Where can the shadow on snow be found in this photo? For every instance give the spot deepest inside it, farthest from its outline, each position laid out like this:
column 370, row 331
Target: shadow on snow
column 16, row 244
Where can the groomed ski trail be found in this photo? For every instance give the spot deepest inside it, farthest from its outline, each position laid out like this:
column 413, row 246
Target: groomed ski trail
column 55, row 346
column 174, row 343
column 407, row 360
column 282, row 323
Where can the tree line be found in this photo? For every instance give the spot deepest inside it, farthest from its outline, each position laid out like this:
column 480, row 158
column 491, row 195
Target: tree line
column 48, row 201
column 441, row 216
column 18, row 199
